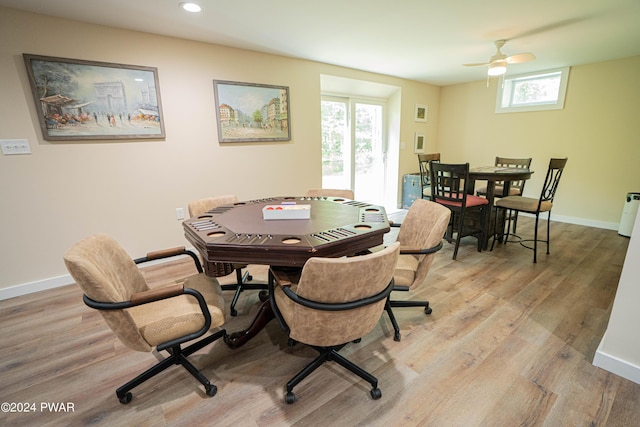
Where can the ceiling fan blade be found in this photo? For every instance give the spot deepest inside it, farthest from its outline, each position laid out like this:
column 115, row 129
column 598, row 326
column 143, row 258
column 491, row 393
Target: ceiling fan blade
column 520, row 58
column 475, row 65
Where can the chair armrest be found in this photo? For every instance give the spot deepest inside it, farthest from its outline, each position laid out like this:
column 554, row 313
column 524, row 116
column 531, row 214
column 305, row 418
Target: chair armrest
column 147, row 297
column 153, row 295
column 168, row 253
column 408, row 250
column 286, row 277
column 165, row 253
column 341, row 306
column 157, row 294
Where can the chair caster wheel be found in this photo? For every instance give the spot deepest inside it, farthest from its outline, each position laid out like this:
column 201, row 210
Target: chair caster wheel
column 290, row 398
column 427, row 310
column 249, row 278
column 210, row 389
column 376, row 393
column 234, row 312
column 126, row 398
column 396, row 336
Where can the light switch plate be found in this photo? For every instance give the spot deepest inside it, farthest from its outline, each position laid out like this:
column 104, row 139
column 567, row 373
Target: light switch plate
column 15, row 146
column 179, row 213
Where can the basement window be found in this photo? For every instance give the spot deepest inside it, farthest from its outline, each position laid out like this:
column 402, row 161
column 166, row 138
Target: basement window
column 542, row 90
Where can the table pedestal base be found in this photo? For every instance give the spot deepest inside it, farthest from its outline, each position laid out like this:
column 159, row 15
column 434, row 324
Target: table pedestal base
column 240, row 338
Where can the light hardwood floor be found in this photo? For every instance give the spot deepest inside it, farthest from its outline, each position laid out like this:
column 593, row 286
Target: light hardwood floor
column 509, row 343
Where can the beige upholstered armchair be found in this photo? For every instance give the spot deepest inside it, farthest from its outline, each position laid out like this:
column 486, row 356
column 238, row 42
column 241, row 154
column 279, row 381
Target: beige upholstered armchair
column 331, row 302
column 330, row 192
column 420, row 237
column 144, row 318
column 199, row 208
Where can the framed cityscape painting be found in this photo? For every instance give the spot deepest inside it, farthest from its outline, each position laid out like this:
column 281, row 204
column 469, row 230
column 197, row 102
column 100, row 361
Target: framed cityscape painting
column 250, row 112
column 85, row 100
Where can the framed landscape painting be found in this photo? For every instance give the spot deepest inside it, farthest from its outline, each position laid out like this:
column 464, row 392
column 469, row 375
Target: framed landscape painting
column 248, row 112
column 84, row 100
column 420, row 114
column 419, row 143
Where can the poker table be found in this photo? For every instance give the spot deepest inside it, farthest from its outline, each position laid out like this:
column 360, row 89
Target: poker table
column 238, row 233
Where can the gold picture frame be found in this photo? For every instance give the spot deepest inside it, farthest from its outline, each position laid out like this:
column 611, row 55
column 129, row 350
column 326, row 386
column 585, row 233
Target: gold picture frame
column 88, row 100
column 252, row 112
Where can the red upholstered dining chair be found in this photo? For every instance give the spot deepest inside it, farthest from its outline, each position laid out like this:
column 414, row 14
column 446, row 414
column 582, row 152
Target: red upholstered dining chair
column 448, row 187
column 199, row 208
column 425, row 176
column 533, row 206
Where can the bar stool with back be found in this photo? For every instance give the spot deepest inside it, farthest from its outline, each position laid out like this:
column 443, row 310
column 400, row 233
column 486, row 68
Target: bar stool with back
column 533, row 206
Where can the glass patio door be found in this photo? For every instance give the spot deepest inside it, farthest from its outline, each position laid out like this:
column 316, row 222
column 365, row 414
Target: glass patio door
column 353, row 147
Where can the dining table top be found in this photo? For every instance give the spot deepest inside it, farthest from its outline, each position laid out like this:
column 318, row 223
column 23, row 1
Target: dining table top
column 493, row 174
column 499, row 173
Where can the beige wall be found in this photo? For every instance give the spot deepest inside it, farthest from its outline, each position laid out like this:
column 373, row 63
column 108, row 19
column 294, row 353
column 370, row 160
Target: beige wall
column 598, row 130
column 64, row 191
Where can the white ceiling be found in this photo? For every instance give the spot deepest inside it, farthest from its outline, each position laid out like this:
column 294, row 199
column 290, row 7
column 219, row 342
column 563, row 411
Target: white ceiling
column 423, row 40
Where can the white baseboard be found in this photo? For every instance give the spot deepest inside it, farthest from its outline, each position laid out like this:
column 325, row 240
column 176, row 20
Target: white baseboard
column 53, row 282
column 615, row 365
column 586, row 222
column 37, row 286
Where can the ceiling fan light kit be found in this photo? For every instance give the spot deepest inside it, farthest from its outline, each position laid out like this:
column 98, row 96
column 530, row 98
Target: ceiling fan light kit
column 191, row 7
column 497, row 68
column 498, row 62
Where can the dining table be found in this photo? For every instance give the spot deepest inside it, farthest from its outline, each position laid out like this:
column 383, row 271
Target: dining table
column 493, row 175
column 284, row 232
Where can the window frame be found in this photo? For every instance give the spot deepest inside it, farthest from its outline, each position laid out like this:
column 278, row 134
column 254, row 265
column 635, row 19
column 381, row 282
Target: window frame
column 505, row 91
column 351, row 102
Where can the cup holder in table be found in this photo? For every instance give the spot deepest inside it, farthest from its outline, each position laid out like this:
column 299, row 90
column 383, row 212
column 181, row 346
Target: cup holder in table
column 291, row 240
column 216, row 234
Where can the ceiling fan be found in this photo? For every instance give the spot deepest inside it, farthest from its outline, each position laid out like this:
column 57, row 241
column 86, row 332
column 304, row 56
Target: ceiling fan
column 498, row 62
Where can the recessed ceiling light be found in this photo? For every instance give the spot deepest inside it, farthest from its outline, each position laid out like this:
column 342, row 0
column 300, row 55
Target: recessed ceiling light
column 191, row 7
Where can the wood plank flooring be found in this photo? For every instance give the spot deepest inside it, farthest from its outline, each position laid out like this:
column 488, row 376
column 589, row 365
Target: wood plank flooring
column 509, row 343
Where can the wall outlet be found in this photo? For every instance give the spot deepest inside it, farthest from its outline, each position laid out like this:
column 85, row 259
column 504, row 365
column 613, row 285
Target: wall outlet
column 179, row 213
column 15, row 146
